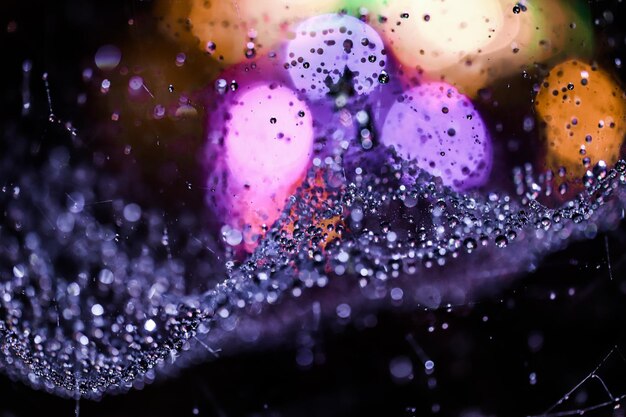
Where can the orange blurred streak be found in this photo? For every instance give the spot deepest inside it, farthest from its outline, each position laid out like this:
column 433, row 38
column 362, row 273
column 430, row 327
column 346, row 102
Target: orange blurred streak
column 331, row 228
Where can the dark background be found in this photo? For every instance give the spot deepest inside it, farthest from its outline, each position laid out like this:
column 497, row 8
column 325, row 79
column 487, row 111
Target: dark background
column 557, row 323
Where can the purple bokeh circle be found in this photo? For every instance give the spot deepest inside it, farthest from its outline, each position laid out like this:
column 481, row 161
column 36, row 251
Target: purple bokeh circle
column 324, row 46
column 442, row 130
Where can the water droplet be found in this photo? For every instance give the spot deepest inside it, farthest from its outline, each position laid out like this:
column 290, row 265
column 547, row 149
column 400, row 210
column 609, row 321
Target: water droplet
column 149, row 325
column 108, row 57
column 221, row 85
column 501, row 241
column 132, row 212
column 19, row 271
column 401, row 368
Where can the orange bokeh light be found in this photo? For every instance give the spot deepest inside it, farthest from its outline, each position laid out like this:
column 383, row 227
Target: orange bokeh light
column 584, row 112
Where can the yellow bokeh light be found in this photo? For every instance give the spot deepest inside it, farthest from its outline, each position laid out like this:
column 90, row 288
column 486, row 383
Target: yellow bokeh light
column 436, row 34
column 583, row 108
column 229, row 29
column 519, row 37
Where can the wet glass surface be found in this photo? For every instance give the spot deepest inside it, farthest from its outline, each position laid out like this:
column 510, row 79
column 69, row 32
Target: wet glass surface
column 183, row 180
